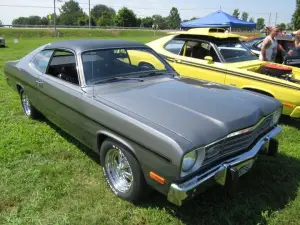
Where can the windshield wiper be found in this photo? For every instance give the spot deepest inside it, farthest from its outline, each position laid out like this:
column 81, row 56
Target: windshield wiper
column 114, row 79
column 155, row 73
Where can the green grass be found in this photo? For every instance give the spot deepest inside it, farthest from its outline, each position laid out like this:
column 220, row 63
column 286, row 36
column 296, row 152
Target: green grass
column 47, row 177
column 34, row 33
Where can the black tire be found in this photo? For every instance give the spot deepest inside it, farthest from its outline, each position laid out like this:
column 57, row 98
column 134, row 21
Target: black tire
column 139, row 189
column 28, row 109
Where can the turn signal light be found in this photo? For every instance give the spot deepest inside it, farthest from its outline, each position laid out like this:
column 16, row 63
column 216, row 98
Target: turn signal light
column 158, row 178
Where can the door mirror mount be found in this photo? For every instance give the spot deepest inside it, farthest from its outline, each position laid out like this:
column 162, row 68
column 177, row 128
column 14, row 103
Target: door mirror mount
column 209, row 59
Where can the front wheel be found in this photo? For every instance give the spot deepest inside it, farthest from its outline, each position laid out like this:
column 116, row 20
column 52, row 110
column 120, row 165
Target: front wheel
column 122, row 172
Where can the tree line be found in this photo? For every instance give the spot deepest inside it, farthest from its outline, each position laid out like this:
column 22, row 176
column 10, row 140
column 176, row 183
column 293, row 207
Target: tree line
column 260, row 22
column 72, row 14
column 101, row 15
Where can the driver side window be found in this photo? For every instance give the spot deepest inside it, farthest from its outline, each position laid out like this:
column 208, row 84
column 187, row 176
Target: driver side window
column 199, row 50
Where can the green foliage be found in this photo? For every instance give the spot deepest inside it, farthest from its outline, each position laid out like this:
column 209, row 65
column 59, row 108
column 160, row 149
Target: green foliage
column 245, row 16
column 260, row 23
column 83, row 20
column 106, row 19
column 1, row 24
column 79, row 33
column 104, row 13
column 70, row 13
column 282, row 26
column 251, row 20
column 174, row 19
column 296, row 16
column 147, row 22
column 160, row 21
column 126, row 18
column 236, row 13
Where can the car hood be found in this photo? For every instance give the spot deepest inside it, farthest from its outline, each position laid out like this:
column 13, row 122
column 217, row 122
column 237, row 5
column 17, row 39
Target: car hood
column 198, row 111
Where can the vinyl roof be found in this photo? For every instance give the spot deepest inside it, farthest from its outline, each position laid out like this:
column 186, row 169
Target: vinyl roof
column 86, row 44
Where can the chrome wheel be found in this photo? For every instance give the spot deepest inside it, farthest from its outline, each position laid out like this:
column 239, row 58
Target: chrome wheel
column 25, row 104
column 118, row 170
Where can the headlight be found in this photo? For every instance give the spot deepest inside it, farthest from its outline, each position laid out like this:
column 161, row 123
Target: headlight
column 189, row 161
column 192, row 161
column 276, row 116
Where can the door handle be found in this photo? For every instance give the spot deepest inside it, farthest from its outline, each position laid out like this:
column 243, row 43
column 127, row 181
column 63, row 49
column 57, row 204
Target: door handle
column 39, row 83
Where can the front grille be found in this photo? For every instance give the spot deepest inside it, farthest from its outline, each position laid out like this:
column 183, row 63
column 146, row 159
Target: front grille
column 240, row 142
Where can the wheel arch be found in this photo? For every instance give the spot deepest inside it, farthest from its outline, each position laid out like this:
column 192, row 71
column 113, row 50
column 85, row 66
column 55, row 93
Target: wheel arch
column 19, row 87
column 103, row 135
column 260, row 91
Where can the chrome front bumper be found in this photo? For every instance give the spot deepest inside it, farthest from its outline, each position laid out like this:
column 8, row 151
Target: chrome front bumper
column 242, row 163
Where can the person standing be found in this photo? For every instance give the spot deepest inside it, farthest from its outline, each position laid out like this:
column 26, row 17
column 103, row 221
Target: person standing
column 270, row 46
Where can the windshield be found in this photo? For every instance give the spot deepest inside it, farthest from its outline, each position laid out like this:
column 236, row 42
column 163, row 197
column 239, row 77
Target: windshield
column 235, row 51
column 101, row 65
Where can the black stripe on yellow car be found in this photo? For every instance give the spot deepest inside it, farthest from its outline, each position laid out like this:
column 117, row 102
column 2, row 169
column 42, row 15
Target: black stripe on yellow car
column 184, row 62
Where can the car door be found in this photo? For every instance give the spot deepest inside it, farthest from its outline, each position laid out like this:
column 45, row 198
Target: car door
column 60, row 94
column 191, row 61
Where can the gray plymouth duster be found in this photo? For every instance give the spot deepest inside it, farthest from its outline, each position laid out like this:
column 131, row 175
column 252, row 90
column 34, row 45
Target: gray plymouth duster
column 151, row 128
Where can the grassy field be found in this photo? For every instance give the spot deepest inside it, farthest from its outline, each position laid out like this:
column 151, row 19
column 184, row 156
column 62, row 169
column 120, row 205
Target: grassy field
column 47, row 177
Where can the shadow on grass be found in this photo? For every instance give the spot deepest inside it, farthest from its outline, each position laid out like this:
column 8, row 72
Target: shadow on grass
column 93, row 155
column 286, row 120
column 269, row 186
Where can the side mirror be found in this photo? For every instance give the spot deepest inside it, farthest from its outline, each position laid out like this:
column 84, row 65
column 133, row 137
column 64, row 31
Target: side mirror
column 209, row 59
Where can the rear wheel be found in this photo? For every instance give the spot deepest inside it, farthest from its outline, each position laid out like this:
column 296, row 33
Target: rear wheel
column 28, row 109
column 122, row 172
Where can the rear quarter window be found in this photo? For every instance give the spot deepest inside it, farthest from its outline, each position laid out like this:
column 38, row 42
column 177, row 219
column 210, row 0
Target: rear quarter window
column 174, row 46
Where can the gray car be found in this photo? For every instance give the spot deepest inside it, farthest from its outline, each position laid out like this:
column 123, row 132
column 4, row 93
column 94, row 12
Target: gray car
column 151, row 128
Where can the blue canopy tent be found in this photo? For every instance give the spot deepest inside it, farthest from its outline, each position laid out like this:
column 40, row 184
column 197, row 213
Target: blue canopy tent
column 218, row 19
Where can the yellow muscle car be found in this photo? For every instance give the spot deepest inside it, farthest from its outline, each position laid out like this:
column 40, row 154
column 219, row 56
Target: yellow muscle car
column 211, row 54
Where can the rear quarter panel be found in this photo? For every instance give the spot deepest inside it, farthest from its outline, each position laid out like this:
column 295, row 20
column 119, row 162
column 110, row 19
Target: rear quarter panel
column 286, row 92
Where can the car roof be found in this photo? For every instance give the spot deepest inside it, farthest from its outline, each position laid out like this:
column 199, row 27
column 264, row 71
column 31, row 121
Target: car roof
column 285, row 38
column 212, row 32
column 87, row 44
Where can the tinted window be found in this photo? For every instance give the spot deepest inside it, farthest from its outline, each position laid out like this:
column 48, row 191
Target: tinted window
column 41, row 60
column 63, row 66
column 174, row 46
column 105, row 64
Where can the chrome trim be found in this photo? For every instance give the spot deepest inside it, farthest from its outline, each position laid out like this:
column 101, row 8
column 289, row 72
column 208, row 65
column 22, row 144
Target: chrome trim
column 178, row 192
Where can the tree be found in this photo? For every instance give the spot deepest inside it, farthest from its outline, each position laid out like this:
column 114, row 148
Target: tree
column 282, row 26
column 44, row 21
column 106, row 19
column 34, row 20
column 260, row 23
column 251, row 20
column 1, row 24
column 98, row 10
column 236, row 13
column 126, row 18
column 174, row 19
column 245, row 16
column 296, row 16
column 147, row 22
column 20, row 21
column 70, row 13
column 160, row 21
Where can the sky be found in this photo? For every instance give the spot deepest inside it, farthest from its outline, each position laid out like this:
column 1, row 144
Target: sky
column 142, row 8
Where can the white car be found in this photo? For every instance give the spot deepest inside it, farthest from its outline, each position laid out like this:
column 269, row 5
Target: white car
column 2, row 42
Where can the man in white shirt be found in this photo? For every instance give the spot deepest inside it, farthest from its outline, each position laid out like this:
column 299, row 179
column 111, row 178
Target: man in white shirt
column 270, row 47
